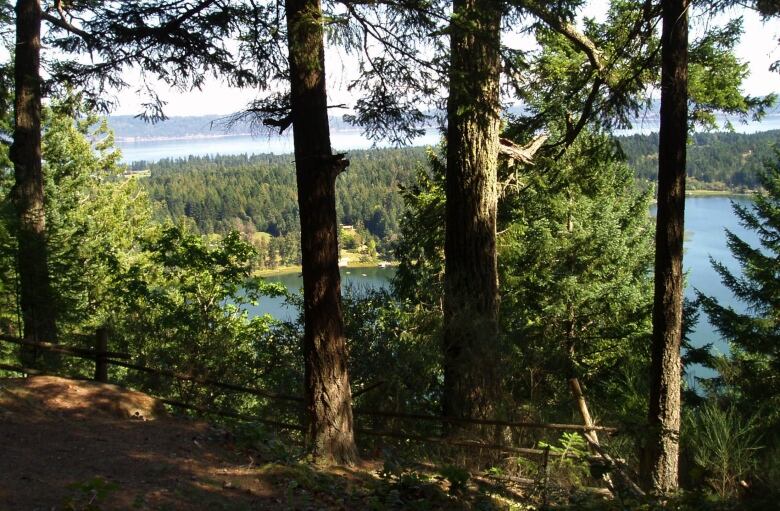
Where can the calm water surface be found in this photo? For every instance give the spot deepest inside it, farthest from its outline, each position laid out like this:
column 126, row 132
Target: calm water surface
column 351, row 278
column 154, row 150
column 705, row 221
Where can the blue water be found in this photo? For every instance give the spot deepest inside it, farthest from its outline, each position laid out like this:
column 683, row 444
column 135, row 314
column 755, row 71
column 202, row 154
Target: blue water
column 154, row 150
column 705, row 221
column 351, row 279
column 706, row 218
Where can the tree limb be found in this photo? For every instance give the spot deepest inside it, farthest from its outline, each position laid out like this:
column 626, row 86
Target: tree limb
column 522, row 154
column 563, row 27
column 282, row 123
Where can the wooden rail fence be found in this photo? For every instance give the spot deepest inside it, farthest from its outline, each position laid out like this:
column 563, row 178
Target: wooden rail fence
column 104, row 358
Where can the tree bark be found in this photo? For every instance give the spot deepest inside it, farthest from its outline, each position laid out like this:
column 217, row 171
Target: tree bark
column 37, row 303
column 471, row 276
column 660, row 467
column 328, row 400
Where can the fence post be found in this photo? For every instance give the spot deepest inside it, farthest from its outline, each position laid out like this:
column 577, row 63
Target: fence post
column 101, row 360
column 545, row 474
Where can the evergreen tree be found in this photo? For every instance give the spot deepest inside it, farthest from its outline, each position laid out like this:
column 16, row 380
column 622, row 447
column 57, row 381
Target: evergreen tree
column 471, row 276
column 696, row 80
column 327, row 391
column 575, row 263
column 37, row 303
column 96, row 217
column 751, row 372
column 660, row 470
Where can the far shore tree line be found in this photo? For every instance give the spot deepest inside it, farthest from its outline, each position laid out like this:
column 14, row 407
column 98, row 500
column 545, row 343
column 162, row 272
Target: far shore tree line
column 218, row 194
column 586, row 78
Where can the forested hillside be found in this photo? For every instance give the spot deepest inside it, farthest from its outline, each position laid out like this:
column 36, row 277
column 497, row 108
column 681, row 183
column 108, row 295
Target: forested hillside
column 716, row 161
column 253, row 194
column 257, row 193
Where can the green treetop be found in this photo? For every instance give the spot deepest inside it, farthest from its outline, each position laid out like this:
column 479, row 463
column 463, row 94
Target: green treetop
column 752, row 370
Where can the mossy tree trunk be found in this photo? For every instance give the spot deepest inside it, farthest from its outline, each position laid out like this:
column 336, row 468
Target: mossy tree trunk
column 471, row 276
column 37, row 303
column 662, row 448
column 327, row 392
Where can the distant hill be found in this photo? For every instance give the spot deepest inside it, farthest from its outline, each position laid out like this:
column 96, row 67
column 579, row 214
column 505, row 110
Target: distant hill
column 128, row 127
column 716, row 161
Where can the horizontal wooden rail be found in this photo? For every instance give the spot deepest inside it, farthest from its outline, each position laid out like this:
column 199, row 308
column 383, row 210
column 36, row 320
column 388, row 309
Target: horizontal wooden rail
column 206, row 381
column 368, row 432
column 103, row 357
column 60, row 348
column 486, row 422
column 231, row 415
column 461, row 443
column 368, row 388
column 20, row 369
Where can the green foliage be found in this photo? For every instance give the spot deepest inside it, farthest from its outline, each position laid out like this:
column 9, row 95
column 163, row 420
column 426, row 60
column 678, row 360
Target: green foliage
column 748, row 375
column 576, row 291
column 566, row 91
column 575, row 252
column 420, row 250
column 750, row 371
column 185, row 308
column 715, row 161
column 95, row 218
column 172, row 299
column 381, row 334
column 723, row 446
column 715, row 78
column 254, row 194
column 571, row 453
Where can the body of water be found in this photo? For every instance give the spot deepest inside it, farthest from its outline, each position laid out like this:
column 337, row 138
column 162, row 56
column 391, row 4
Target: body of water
column 343, row 140
column 155, row 150
column 705, row 219
column 356, row 278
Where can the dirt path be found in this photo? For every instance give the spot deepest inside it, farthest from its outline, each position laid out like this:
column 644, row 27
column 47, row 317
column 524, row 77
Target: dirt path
column 65, row 443
column 84, row 446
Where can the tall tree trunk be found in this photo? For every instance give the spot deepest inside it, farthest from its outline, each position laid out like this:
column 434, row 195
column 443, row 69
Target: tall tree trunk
column 660, row 468
column 327, row 391
column 471, row 275
column 37, row 302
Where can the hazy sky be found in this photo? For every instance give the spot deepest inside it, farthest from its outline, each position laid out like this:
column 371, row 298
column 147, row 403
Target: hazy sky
column 759, row 47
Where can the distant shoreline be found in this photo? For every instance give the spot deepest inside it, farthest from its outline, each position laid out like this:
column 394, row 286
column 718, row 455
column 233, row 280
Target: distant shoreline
column 287, row 270
column 719, row 193
column 211, row 136
column 198, row 136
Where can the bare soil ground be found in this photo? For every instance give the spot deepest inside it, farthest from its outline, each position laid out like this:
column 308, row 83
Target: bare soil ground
column 67, row 444
column 78, row 445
